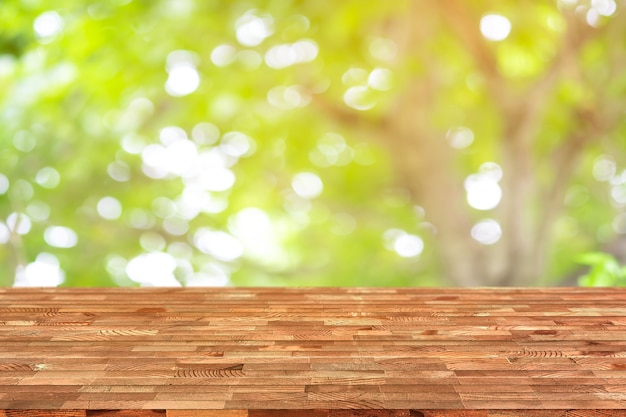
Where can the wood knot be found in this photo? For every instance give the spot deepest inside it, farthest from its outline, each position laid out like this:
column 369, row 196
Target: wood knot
column 545, row 332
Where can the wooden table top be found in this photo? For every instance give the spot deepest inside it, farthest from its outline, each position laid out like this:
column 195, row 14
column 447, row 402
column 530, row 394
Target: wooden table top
column 256, row 352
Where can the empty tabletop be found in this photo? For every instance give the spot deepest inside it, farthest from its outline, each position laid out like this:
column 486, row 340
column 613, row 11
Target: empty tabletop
column 237, row 352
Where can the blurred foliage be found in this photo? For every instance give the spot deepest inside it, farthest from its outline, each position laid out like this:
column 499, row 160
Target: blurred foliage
column 604, row 271
column 84, row 96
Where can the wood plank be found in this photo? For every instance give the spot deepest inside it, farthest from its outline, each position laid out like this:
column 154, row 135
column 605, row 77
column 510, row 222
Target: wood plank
column 42, row 413
column 235, row 352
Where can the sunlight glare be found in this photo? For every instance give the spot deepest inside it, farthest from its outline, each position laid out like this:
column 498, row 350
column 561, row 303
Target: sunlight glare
column 213, row 174
column 141, row 219
column 44, row 272
column 359, row 98
column 155, row 161
column 460, row 137
column 305, row 50
column 482, row 194
column 152, row 241
column 408, row 246
column 23, row 189
column 604, row 7
column 38, row 211
column 119, row 171
column 109, row 208
column 251, row 225
column 254, row 229
column 183, row 79
column 404, row 244
column 180, row 250
column 483, row 191
column 163, row 207
column 592, row 17
column 211, row 275
column 355, row 76
column 180, row 156
column 60, row 237
column 215, row 157
column 495, row 27
column 618, row 192
column 153, row 269
column 296, row 206
column 331, row 150
column 48, row 177
column 24, row 141
column 19, row 223
column 216, row 179
column 604, row 168
column 286, row 98
column 237, row 144
column 380, row 79
column 171, row 134
column 5, row 233
column 285, row 55
column 4, row 184
column 251, row 29
column 116, row 267
column 220, row 245
column 175, row 225
column 191, row 201
column 491, row 171
column 487, row 232
column 223, row 55
column 205, row 133
column 133, row 144
column 48, row 25
column 307, row 185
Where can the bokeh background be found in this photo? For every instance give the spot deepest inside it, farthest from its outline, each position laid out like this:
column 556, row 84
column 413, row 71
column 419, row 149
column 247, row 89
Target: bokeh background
column 312, row 142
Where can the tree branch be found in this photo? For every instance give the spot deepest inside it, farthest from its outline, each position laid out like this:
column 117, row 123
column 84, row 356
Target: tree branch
column 466, row 24
column 595, row 122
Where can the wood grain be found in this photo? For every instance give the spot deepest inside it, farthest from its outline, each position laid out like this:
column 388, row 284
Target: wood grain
column 257, row 352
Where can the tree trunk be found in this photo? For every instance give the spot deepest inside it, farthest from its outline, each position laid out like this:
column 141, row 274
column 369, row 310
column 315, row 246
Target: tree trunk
column 425, row 165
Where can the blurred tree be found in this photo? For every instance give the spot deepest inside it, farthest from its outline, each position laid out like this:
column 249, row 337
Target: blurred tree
column 309, row 142
column 604, row 270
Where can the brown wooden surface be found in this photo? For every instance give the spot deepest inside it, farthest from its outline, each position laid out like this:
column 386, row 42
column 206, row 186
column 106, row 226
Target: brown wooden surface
column 259, row 352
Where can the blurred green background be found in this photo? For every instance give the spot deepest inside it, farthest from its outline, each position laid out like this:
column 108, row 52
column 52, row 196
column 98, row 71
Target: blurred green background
column 312, row 142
